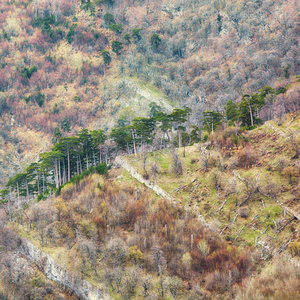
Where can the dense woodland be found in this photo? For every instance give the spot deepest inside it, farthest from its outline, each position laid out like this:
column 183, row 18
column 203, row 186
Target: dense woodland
column 199, row 53
column 72, row 74
column 68, row 60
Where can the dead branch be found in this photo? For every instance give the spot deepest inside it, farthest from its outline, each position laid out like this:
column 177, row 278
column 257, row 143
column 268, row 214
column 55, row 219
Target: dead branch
column 234, row 220
column 222, row 206
column 287, row 223
column 255, row 217
column 194, row 190
column 264, row 232
column 226, row 227
column 239, row 233
column 282, row 248
column 182, row 187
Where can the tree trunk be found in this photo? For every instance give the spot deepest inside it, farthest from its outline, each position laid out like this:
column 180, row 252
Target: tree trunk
column 250, row 110
column 100, row 155
column 18, row 192
column 87, row 160
column 38, row 183
column 134, row 149
column 64, row 173
column 94, row 156
column 80, row 165
column 43, row 182
column 69, row 168
column 179, row 138
column 161, row 282
column 56, row 173
column 27, row 191
column 59, row 172
column 77, row 163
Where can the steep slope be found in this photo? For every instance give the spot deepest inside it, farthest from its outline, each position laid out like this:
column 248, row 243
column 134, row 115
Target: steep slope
column 240, row 190
column 115, row 232
column 248, row 184
column 52, row 69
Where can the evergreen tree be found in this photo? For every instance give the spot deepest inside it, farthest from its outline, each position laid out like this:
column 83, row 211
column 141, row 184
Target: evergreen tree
column 85, row 141
column 109, row 19
column 117, row 28
column 249, row 107
column 195, row 134
column 117, row 47
column 231, row 112
column 3, row 196
column 155, row 40
column 211, row 120
column 98, row 139
column 165, row 124
column 122, row 136
column 144, row 128
column 127, row 38
column 65, row 125
column 136, row 34
column 178, row 117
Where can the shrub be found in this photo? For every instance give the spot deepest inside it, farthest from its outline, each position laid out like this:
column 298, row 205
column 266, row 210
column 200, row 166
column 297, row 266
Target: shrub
column 40, row 99
column 87, row 228
column 71, row 33
column 247, row 157
column 135, row 255
column 27, row 72
column 155, row 40
column 193, row 161
column 27, row 98
column 109, row 19
column 243, row 212
column 294, row 248
column 203, row 247
column 77, row 99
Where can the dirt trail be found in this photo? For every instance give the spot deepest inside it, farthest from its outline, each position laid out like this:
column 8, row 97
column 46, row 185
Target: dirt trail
column 122, row 162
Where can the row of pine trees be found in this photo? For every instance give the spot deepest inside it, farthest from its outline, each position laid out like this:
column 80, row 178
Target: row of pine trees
column 88, row 151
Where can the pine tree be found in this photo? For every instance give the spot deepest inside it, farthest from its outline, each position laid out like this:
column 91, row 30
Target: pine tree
column 211, row 120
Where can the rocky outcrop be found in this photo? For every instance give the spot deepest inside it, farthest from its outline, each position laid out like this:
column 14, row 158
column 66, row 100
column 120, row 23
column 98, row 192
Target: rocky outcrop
column 66, row 278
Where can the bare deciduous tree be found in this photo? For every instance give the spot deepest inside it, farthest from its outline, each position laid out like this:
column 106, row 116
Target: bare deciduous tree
column 176, row 165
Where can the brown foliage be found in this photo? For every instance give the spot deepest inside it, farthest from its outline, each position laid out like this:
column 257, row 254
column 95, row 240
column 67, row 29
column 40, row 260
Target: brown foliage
column 9, row 241
column 247, row 157
column 279, row 280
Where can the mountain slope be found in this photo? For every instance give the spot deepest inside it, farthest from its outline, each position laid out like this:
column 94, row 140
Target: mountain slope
column 209, row 52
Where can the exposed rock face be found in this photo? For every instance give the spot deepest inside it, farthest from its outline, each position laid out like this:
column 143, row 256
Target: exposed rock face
column 66, row 278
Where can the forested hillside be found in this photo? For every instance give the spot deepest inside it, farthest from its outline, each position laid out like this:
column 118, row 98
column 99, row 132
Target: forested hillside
column 86, row 61
column 200, row 97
